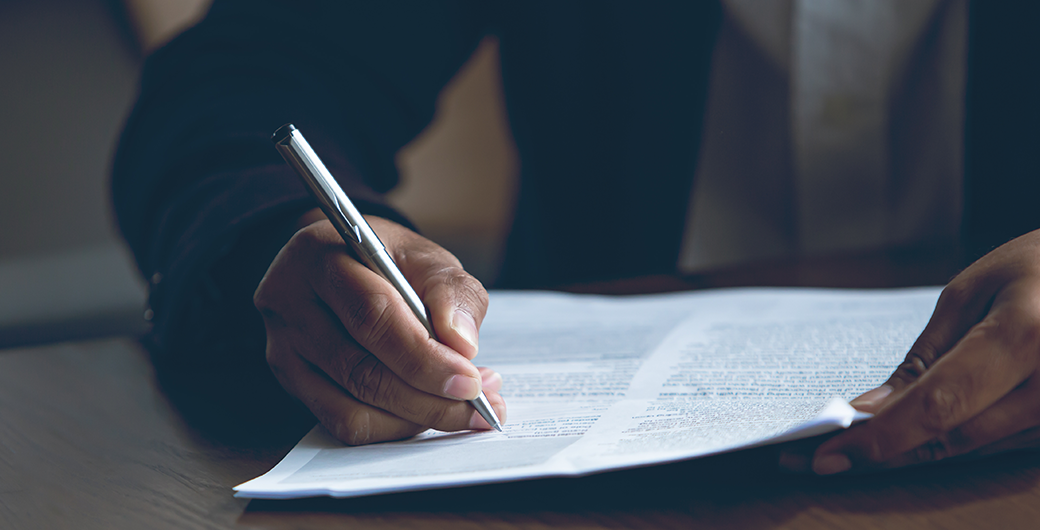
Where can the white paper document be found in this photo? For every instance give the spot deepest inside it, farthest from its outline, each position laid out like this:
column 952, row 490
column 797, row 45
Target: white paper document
column 597, row 383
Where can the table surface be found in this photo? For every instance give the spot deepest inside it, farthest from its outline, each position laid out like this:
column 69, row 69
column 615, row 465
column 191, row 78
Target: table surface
column 88, row 441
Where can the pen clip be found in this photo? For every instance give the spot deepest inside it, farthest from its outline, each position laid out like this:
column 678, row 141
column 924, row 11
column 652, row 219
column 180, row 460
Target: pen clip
column 353, row 227
column 332, row 194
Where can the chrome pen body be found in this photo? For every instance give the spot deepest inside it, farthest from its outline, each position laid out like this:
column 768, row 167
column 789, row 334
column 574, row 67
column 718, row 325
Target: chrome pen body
column 356, row 231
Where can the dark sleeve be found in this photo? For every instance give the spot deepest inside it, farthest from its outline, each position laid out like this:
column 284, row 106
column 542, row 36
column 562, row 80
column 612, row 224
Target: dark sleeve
column 1002, row 168
column 200, row 194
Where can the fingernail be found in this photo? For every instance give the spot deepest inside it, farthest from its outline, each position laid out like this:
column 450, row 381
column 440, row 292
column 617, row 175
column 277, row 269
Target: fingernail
column 491, row 380
column 794, row 463
column 872, row 397
column 463, row 324
column 462, row 387
column 831, row 464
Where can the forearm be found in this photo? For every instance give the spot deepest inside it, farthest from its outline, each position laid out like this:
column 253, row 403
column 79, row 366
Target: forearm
column 197, row 186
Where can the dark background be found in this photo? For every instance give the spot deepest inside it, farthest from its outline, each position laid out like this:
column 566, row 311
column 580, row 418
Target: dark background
column 68, row 77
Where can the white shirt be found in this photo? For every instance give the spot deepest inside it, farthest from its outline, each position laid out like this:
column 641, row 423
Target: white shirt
column 833, row 126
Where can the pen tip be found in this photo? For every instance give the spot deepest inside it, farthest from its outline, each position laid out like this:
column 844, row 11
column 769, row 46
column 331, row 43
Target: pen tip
column 497, row 427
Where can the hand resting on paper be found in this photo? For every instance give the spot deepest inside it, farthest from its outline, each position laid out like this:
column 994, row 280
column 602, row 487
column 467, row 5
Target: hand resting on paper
column 970, row 384
column 342, row 340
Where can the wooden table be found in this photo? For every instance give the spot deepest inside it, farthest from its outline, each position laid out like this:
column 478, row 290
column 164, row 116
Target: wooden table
column 87, row 441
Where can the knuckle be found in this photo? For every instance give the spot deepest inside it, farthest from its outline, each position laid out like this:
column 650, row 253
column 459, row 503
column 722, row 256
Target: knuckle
column 989, row 330
column 931, row 451
column 306, row 243
column 916, row 363
column 370, row 318
column 994, row 335
column 270, row 313
column 443, row 275
column 275, row 360
column 355, row 427
column 281, row 283
column 471, row 288
column 262, row 296
column 941, row 411
column 460, row 285
column 265, row 299
column 310, row 237
column 425, row 253
column 368, row 380
column 957, row 293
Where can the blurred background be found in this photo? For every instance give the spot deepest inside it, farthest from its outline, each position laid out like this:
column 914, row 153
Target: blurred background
column 69, row 77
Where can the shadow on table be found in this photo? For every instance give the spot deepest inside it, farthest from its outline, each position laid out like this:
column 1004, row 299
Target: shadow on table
column 736, row 490
column 232, row 401
column 244, row 409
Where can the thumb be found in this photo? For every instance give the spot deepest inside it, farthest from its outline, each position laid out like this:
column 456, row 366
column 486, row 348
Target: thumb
column 455, row 301
column 962, row 304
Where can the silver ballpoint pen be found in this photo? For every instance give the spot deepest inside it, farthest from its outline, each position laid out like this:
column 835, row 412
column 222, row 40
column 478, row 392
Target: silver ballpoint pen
column 356, row 231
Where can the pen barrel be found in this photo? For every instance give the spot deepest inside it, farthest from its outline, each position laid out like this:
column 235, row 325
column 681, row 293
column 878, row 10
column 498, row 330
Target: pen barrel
column 337, row 207
column 385, row 266
column 355, row 230
column 347, row 220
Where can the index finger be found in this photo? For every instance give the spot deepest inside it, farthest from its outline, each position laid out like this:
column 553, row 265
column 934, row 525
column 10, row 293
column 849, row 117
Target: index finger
column 962, row 304
column 994, row 357
column 378, row 318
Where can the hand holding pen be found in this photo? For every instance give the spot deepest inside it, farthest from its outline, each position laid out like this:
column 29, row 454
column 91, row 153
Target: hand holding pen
column 347, row 342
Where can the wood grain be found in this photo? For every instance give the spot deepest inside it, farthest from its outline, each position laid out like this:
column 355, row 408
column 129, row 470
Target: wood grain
column 87, row 441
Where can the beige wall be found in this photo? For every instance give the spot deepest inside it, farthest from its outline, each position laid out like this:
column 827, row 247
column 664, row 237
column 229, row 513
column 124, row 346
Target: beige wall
column 158, row 21
column 459, row 176
column 67, row 79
